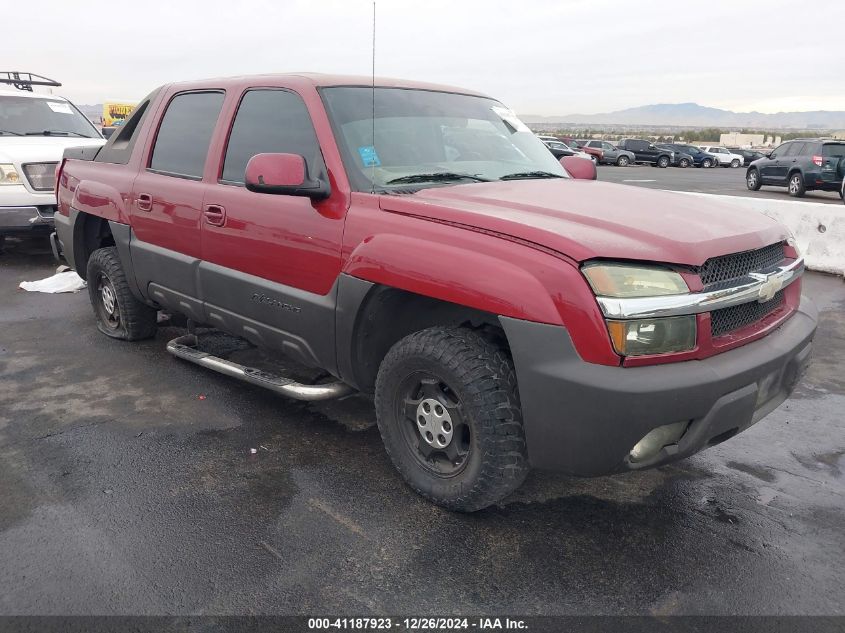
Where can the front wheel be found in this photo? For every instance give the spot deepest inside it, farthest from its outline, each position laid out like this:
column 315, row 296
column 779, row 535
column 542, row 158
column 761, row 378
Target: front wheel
column 683, row 163
column 752, row 180
column 119, row 314
column 707, row 163
column 663, row 162
column 623, row 161
column 796, row 185
column 449, row 415
column 735, row 163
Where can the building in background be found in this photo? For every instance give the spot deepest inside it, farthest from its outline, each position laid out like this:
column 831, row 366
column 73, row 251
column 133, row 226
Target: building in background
column 736, row 139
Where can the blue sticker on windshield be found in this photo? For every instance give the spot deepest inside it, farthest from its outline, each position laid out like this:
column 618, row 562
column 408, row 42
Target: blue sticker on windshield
column 369, row 156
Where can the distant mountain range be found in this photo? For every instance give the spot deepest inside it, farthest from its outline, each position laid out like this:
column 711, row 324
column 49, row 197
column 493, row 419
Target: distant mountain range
column 694, row 115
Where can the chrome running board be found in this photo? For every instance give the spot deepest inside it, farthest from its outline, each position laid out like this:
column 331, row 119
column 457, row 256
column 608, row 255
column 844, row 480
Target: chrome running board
column 185, row 347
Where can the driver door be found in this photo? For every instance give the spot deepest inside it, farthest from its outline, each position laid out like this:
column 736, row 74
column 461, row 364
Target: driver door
column 270, row 262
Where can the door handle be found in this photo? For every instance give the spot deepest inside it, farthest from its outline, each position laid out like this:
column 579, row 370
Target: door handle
column 215, row 214
column 145, row 202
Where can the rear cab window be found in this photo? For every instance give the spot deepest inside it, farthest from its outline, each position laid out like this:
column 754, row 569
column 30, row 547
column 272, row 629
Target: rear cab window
column 833, row 149
column 270, row 120
column 184, row 134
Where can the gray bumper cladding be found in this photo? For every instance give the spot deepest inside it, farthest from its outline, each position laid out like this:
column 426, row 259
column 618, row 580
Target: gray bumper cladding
column 584, row 419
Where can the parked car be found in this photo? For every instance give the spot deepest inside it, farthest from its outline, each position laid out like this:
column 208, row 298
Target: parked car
column 842, row 190
column 595, row 154
column 700, row 158
column 680, row 159
column 748, row 155
column 647, row 152
column 502, row 314
column 560, row 149
column 611, row 154
column 35, row 129
column 801, row 165
column 724, row 158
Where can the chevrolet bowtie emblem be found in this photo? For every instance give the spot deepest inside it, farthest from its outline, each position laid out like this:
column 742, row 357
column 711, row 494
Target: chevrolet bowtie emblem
column 770, row 286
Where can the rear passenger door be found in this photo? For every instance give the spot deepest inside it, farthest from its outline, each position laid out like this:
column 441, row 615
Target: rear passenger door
column 167, row 199
column 270, row 266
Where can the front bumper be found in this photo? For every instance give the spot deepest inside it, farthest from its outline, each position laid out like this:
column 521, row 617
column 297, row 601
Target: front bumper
column 24, row 219
column 583, row 419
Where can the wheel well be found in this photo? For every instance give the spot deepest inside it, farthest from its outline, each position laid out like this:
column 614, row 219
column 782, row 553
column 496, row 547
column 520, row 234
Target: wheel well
column 388, row 315
column 90, row 233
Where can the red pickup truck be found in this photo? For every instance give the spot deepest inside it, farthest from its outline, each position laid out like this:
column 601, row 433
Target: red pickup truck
column 418, row 243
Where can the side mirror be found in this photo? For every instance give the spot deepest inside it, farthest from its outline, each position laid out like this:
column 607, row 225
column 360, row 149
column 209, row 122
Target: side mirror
column 579, row 168
column 283, row 174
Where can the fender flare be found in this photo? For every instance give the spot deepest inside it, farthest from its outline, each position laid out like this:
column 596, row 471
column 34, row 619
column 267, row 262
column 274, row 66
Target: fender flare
column 100, row 199
column 452, row 274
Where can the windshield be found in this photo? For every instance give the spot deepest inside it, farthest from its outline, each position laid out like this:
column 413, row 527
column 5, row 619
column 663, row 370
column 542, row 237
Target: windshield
column 28, row 116
column 431, row 138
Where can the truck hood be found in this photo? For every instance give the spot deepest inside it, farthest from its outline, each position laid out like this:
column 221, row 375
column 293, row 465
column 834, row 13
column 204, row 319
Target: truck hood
column 40, row 149
column 586, row 219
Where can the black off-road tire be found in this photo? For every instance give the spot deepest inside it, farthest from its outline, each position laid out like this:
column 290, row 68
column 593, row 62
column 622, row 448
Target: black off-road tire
column 479, row 375
column 128, row 319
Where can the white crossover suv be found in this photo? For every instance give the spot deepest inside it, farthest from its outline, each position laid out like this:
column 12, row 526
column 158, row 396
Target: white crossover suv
column 724, row 157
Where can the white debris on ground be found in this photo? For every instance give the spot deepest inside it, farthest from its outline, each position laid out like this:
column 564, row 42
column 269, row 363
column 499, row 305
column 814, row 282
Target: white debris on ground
column 65, row 280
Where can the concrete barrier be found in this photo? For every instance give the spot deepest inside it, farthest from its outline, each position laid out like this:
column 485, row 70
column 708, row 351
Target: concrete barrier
column 818, row 228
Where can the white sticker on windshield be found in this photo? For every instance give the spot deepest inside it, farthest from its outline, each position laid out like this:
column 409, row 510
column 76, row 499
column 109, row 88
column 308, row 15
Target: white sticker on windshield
column 509, row 116
column 60, row 107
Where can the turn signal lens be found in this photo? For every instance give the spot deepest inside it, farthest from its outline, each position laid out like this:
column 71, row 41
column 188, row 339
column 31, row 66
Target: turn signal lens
column 653, row 336
column 8, row 175
column 621, row 280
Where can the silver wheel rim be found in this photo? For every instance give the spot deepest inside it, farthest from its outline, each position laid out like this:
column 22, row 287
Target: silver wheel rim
column 794, row 185
column 752, row 179
column 434, row 423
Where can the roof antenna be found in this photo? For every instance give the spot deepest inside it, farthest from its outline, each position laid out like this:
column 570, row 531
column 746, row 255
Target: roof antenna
column 373, row 162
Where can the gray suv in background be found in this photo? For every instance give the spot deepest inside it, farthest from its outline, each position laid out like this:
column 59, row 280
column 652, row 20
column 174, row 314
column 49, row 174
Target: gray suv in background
column 612, row 155
column 801, row 165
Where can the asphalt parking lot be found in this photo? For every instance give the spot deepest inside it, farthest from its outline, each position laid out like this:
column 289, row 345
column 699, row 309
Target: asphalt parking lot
column 127, row 486
column 719, row 180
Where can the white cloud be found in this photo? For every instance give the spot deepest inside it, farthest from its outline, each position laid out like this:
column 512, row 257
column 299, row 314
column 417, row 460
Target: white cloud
column 540, row 57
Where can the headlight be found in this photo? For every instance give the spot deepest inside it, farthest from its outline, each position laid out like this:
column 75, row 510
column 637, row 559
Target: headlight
column 652, row 336
column 643, row 336
column 8, row 175
column 622, row 280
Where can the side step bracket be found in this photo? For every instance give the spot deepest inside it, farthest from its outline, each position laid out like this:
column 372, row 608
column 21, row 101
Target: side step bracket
column 185, row 347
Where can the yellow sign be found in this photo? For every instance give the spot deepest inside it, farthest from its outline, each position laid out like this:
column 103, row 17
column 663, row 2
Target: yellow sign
column 114, row 114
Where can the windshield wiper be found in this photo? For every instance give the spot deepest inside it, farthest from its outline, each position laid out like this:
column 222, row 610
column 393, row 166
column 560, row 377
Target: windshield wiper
column 55, row 133
column 441, row 176
column 522, row 175
column 10, row 132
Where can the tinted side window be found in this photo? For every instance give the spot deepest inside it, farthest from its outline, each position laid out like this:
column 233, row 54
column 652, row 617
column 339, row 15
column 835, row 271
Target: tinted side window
column 795, row 149
column 780, row 150
column 638, row 146
column 185, row 133
column 271, row 121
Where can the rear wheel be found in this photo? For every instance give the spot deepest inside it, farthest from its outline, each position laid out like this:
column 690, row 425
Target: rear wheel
column 683, row 163
column 623, row 161
column 752, row 180
column 707, row 163
column 119, row 314
column 449, row 415
column 735, row 163
column 663, row 162
column 796, row 185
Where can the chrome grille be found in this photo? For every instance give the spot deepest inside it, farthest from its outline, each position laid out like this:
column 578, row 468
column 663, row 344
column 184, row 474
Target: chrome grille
column 736, row 317
column 41, row 176
column 719, row 269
